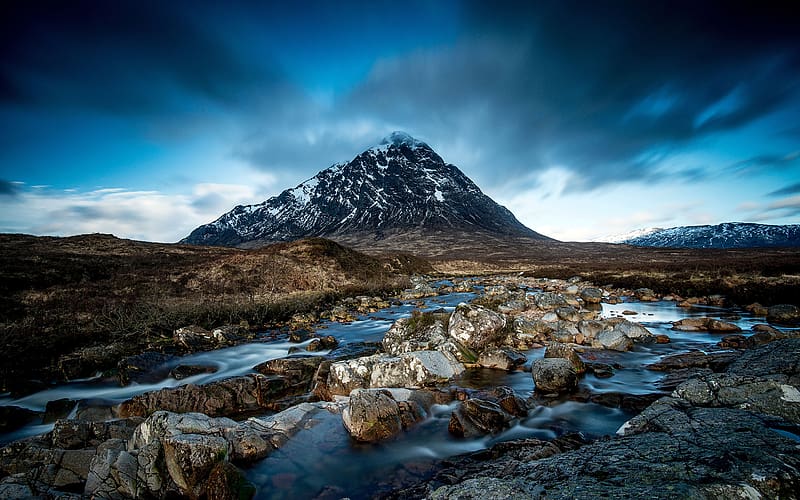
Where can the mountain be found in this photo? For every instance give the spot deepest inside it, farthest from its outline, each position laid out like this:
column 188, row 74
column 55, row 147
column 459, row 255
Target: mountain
column 399, row 186
column 726, row 235
column 625, row 237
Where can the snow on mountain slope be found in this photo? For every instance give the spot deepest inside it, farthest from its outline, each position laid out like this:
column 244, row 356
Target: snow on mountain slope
column 399, row 184
column 725, row 235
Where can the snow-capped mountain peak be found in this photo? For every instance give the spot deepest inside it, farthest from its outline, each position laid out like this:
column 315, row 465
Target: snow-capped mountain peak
column 725, row 235
column 398, row 185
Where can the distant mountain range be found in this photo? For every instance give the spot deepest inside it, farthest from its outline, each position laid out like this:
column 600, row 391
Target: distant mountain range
column 397, row 187
column 725, row 235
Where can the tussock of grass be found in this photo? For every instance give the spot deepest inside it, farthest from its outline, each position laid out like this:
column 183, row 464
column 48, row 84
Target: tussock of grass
column 426, row 319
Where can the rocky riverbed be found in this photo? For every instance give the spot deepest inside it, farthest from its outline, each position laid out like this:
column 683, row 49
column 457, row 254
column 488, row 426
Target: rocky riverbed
column 536, row 374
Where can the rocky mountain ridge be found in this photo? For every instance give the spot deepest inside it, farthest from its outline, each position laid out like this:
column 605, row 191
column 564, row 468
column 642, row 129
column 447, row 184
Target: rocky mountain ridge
column 725, row 235
column 399, row 185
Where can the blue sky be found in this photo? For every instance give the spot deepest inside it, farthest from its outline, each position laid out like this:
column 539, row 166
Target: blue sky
column 146, row 119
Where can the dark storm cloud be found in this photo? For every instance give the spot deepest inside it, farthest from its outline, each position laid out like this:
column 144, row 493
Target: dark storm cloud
column 119, row 57
column 610, row 90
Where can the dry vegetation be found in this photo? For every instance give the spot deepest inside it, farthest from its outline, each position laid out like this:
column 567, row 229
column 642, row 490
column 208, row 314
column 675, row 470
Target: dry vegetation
column 58, row 295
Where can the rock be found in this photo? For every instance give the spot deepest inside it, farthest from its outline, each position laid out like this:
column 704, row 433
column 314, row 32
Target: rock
column 733, row 342
column 756, row 394
column 716, row 361
column 645, row 295
column 600, row 370
column 568, row 313
column 414, row 370
column 227, row 482
column 279, row 428
column 548, row 301
column 592, row 295
column 614, row 340
column 554, row 375
column 406, row 336
column 194, row 338
column 705, row 325
column 346, row 375
column 674, row 378
column 231, row 396
column 784, row 314
column 145, row 367
column 476, row 417
column 590, row 329
column 181, row 372
column 230, row 334
column 322, row 344
column 633, row 331
column 556, row 350
column 476, row 327
column 672, row 450
column 779, row 361
column 14, row 417
column 353, row 350
column 297, row 371
column 374, row 415
column 628, row 312
column 504, row 358
column 757, row 309
column 190, row 458
column 510, row 402
column 58, row 409
column 662, row 339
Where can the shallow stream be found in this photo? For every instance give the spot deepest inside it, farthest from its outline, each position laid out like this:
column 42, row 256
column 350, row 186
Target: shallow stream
column 324, row 461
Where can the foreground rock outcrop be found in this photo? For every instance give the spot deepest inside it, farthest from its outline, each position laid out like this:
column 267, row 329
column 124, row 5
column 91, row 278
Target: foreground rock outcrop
column 731, row 435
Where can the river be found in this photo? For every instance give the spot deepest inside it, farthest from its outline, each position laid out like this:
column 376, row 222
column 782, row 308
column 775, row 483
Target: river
column 324, row 460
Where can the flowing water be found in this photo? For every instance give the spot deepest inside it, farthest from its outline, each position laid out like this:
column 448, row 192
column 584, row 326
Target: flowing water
column 324, row 460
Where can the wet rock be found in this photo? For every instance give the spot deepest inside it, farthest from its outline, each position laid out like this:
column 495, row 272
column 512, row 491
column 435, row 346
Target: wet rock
column 779, row 361
column 504, row 358
column 194, row 338
column 476, row 417
column 227, row 397
column 374, row 415
column 406, row 336
column 415, row 369
column 645, row 295
column 736, row 391
column 230, row 334
column 554, row 375
column 297, row 371
column 58, row 409
column 662, row 339
column 600, row 370
column 614, row 340
column 181, row 372
column 548, row 301
column 590, row 329
column 556, row 350
column 476, row 327
column 672, row 450
column 322, row 344
column 227, row 482
column 633, row 403
column 353, row 350
column 510, row 402
column 784, row 314
column 705, row 325
column 633, row 331
column 89, row 360
column 568, row 313
column 734, row 342
column 757, row 309
column 592, row 295
column 147, row 366
column 14, row 417
column 716, row 361
column 674, row 378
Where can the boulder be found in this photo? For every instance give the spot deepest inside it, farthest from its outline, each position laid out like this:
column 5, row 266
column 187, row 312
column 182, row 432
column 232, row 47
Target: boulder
column 756, row 394
column 633, row 331
column 715, row 361
column 778, row 360
column 14, row 417
column 476, row 417
column 476, row 327
column 554, row 375
column 346, row 375
column 415, row 369
column 58, row 409
column 297, row 371
column 145, row 367
column 614, row 339
column 374, row 415
column 591, row 295
column 190, row 458
column 557, row 350
column 181, row 372
column 784, row 314
column 568, row 313
column 504, row 358
column 548, row 301
column 194, row 338
column 705, row 325
column 411, row 334
column 322, row 344
column 645, row 295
